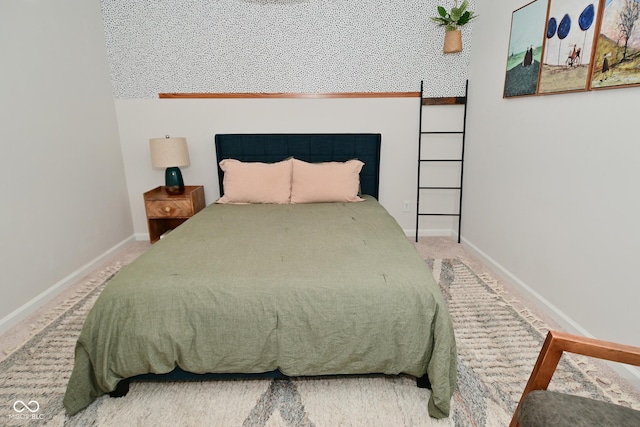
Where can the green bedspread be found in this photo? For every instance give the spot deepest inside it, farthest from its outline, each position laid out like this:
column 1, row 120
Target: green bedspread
column 309, row 289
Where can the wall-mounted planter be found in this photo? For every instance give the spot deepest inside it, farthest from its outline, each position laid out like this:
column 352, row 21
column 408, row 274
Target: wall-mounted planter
column 452, row 41
column 451, row 21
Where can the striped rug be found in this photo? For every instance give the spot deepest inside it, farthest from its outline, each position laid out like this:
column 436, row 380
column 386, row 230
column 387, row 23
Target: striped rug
column 497, row 347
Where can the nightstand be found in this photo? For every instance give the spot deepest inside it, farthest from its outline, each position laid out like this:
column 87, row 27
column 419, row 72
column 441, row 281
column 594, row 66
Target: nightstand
column 165, row 212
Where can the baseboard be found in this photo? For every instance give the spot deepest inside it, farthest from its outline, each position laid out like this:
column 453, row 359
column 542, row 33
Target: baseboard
column 630, row 373
column 31, row 306
column 140, row 237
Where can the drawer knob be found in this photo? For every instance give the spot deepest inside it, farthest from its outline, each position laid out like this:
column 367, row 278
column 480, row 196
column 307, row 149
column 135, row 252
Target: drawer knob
column 167, row 209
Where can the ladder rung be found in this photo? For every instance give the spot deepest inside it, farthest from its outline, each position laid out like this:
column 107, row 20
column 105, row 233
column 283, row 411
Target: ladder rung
column 435, row 132
column 440, row 188
column 438, row 214
column 446, row 100
column 440, row 160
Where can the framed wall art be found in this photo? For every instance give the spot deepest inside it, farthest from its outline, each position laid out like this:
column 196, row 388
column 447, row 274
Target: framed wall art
column 570, row 34
column 525, row 49
column 617, row 54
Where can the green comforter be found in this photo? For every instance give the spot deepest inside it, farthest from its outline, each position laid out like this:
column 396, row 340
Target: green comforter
column 309, row 289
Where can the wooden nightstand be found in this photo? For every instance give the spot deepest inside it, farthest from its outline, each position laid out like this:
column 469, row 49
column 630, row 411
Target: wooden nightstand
column 165, row 212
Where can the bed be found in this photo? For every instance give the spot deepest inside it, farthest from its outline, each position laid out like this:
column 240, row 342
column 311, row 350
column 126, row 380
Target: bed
column 293, row 289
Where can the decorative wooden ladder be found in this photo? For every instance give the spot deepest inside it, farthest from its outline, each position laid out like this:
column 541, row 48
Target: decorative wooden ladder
column 459, row 100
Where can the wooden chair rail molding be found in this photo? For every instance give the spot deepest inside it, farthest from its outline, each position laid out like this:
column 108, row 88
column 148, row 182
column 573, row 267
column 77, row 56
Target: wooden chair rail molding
column 558, row 342
column 291, row 95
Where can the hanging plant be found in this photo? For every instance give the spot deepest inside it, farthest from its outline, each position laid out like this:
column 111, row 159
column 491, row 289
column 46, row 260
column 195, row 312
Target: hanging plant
column 451, row 21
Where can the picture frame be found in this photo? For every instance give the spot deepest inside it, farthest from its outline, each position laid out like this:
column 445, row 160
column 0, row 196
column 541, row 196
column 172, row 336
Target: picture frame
column 525, row 49
column 570, row 33
column 617, row 54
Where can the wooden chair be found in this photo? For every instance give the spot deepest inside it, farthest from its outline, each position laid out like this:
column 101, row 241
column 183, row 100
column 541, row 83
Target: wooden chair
column 543, row 401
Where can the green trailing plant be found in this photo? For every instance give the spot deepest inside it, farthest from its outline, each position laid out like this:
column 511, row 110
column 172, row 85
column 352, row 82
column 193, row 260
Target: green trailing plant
column 457, row 17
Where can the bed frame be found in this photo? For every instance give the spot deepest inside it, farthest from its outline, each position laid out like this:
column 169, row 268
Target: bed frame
column 269, row 148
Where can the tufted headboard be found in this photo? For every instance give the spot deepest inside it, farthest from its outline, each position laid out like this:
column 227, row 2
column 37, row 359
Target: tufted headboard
column 310, row 147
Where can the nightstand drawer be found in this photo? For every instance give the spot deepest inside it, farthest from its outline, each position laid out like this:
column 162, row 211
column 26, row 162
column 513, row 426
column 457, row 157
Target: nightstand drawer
column 168, row 208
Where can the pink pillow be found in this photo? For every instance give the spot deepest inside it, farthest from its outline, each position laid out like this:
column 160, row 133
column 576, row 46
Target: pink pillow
column 253, row 182
column 326, row 182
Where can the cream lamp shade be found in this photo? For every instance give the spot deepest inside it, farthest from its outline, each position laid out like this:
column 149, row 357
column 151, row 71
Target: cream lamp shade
column 170, row 153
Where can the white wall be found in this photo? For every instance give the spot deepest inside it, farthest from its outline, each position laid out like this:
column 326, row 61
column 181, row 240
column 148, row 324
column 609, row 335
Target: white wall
column 551, row 188
column 200, row 119
column 64, row 192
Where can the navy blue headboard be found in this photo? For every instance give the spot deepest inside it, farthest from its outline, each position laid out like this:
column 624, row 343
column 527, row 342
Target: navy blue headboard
column 310, row 147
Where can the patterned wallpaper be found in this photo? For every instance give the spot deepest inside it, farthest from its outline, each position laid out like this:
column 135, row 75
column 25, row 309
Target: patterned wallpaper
column 310, row 46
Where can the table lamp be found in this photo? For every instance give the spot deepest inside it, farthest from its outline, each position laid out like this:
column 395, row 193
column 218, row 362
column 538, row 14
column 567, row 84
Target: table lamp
column 170, row 153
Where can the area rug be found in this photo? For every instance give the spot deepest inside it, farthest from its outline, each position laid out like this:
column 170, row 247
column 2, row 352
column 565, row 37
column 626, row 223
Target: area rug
column 497, row 347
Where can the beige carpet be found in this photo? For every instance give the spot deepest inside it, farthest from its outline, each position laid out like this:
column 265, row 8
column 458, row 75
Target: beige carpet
column 486, row 397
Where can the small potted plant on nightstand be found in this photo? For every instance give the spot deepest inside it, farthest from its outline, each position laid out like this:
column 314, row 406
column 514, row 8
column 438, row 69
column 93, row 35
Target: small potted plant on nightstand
column 451, row 21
